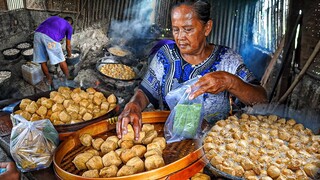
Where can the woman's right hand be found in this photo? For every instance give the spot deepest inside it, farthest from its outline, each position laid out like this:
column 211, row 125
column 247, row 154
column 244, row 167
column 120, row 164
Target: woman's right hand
column 130, row 115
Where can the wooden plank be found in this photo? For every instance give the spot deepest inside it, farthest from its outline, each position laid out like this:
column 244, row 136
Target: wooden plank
column 78, row 6
column 93, row 10
column 87, row 14
column 81, row 15
column 104, row 8
column 3, row 5
column 100, row 9
column 122, row 8
column 97, row 10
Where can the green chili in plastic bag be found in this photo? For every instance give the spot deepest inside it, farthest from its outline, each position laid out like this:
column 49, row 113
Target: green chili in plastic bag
column 184, row 121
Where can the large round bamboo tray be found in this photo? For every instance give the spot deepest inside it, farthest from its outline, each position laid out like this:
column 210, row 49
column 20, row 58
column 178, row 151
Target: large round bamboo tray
column 177, row 156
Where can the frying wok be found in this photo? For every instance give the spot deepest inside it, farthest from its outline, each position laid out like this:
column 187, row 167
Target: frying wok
column 305, row 116
column 68, row 128
column 103, row 62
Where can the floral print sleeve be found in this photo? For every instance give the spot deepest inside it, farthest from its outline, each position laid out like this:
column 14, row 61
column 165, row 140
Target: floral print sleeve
column 233, row 63
column 150, row 84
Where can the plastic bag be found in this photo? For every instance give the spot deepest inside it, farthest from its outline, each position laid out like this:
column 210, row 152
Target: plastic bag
column 174, row 96
column 184, row 121
column 33, row 143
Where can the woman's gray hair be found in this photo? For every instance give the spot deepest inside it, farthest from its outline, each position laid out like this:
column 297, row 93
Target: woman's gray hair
column 201, row 7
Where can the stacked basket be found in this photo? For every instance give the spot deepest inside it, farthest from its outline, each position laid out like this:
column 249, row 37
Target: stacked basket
column 26, row 50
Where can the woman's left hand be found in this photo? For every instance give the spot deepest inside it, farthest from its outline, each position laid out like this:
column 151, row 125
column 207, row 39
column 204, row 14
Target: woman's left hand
column 214, row 82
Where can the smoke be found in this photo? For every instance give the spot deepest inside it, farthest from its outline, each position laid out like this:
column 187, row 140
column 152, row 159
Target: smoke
column 138, row 27
column 255, row 59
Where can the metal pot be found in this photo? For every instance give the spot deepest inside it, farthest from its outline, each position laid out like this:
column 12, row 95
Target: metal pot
column 11, row 53
column 28, row 57
column 24, row 45
column 5, row 78
column 74, row 60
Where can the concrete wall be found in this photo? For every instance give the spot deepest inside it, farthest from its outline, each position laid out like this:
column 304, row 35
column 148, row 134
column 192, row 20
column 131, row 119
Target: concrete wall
column 15, row 26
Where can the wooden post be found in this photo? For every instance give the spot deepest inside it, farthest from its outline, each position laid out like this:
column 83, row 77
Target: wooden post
column 273, row 61
column 285, row 54
column 300, row 75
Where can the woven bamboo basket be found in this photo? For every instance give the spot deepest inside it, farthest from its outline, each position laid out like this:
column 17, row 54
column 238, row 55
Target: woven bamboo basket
column 179, row 157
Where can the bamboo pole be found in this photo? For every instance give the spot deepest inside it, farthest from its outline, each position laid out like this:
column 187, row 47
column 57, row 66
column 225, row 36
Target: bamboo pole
column 272, row 63
column 285, row 54
column 300, row 75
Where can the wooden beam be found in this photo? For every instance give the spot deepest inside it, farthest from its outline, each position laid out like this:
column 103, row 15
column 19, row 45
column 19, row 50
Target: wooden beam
column 302, row 72
column 285, row 55
column 272, row 63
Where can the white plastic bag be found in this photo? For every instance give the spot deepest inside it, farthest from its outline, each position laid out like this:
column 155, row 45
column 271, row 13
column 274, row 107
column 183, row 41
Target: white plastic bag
column 32, row 143
column 184, row 121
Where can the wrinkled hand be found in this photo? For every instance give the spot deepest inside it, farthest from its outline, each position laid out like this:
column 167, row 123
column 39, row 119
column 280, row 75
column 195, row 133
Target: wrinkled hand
column 131, row 114
column 12, row 173
column 214, row 82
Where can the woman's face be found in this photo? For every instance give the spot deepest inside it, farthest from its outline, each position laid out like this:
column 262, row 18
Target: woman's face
column 188, row 31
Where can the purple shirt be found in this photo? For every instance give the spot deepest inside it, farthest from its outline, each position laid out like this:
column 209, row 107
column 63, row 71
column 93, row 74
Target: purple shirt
column 56, row 27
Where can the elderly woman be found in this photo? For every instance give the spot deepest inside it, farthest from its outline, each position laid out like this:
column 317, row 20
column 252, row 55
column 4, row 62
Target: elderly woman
column 223, row 71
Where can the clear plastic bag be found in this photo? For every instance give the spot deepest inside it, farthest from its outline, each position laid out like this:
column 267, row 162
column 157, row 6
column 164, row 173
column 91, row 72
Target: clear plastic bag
column 33, row 143
column 184, row 121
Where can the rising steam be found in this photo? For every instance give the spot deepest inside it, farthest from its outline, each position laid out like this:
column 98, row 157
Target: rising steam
column 138, row 27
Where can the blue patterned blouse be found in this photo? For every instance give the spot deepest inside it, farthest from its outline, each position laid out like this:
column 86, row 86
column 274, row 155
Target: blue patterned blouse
column 167, row 70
